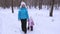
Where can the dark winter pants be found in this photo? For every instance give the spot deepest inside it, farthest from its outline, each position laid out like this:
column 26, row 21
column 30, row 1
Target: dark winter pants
column 23, row 25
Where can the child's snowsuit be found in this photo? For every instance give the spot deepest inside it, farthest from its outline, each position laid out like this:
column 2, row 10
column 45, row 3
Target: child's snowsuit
column 30, row 24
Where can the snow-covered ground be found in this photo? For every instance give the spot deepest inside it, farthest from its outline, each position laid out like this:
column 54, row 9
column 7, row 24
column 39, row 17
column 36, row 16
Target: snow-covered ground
column 44, row 24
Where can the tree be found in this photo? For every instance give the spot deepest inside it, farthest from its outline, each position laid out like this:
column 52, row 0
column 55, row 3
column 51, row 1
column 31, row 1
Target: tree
column 40, row 4
column 35, row 3
column 12, row 7
column 52, row 5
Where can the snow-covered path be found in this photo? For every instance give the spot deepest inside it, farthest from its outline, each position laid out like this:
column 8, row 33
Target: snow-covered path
column 44, row 24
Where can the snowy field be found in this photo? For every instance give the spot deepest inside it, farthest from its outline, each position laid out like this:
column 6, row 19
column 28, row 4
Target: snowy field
column 44, row 24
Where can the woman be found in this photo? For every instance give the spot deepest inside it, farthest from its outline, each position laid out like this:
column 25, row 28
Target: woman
column 23, row 16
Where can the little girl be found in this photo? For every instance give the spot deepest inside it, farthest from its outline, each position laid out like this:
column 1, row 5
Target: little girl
column 30, row 24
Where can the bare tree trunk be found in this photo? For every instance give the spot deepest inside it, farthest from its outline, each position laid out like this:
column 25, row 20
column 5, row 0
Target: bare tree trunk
column 52, row 5
column 4, row 4
column 30, row 4
column 12, row 7
column 56, row 7
column 35, row 3
column 40, row 4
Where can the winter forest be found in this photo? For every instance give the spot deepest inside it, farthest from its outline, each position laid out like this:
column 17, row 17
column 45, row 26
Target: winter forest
column 30, row 3
column 16, row 3
column 45, row 16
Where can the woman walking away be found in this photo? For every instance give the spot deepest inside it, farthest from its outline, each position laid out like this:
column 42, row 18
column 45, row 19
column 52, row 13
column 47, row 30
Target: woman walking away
column 23, row 16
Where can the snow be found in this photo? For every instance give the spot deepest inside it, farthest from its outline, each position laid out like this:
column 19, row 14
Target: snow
column 44, row 24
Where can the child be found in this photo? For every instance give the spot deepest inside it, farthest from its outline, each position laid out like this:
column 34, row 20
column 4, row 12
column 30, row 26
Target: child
column 30, row 24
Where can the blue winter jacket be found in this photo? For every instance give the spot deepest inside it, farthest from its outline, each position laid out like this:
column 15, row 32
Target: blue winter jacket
column 23, row 13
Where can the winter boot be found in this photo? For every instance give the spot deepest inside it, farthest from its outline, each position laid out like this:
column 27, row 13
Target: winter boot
column 28, row 28
column 31, row 28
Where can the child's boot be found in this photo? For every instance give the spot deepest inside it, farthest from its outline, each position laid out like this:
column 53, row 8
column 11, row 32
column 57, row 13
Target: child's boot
column 31, row 28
